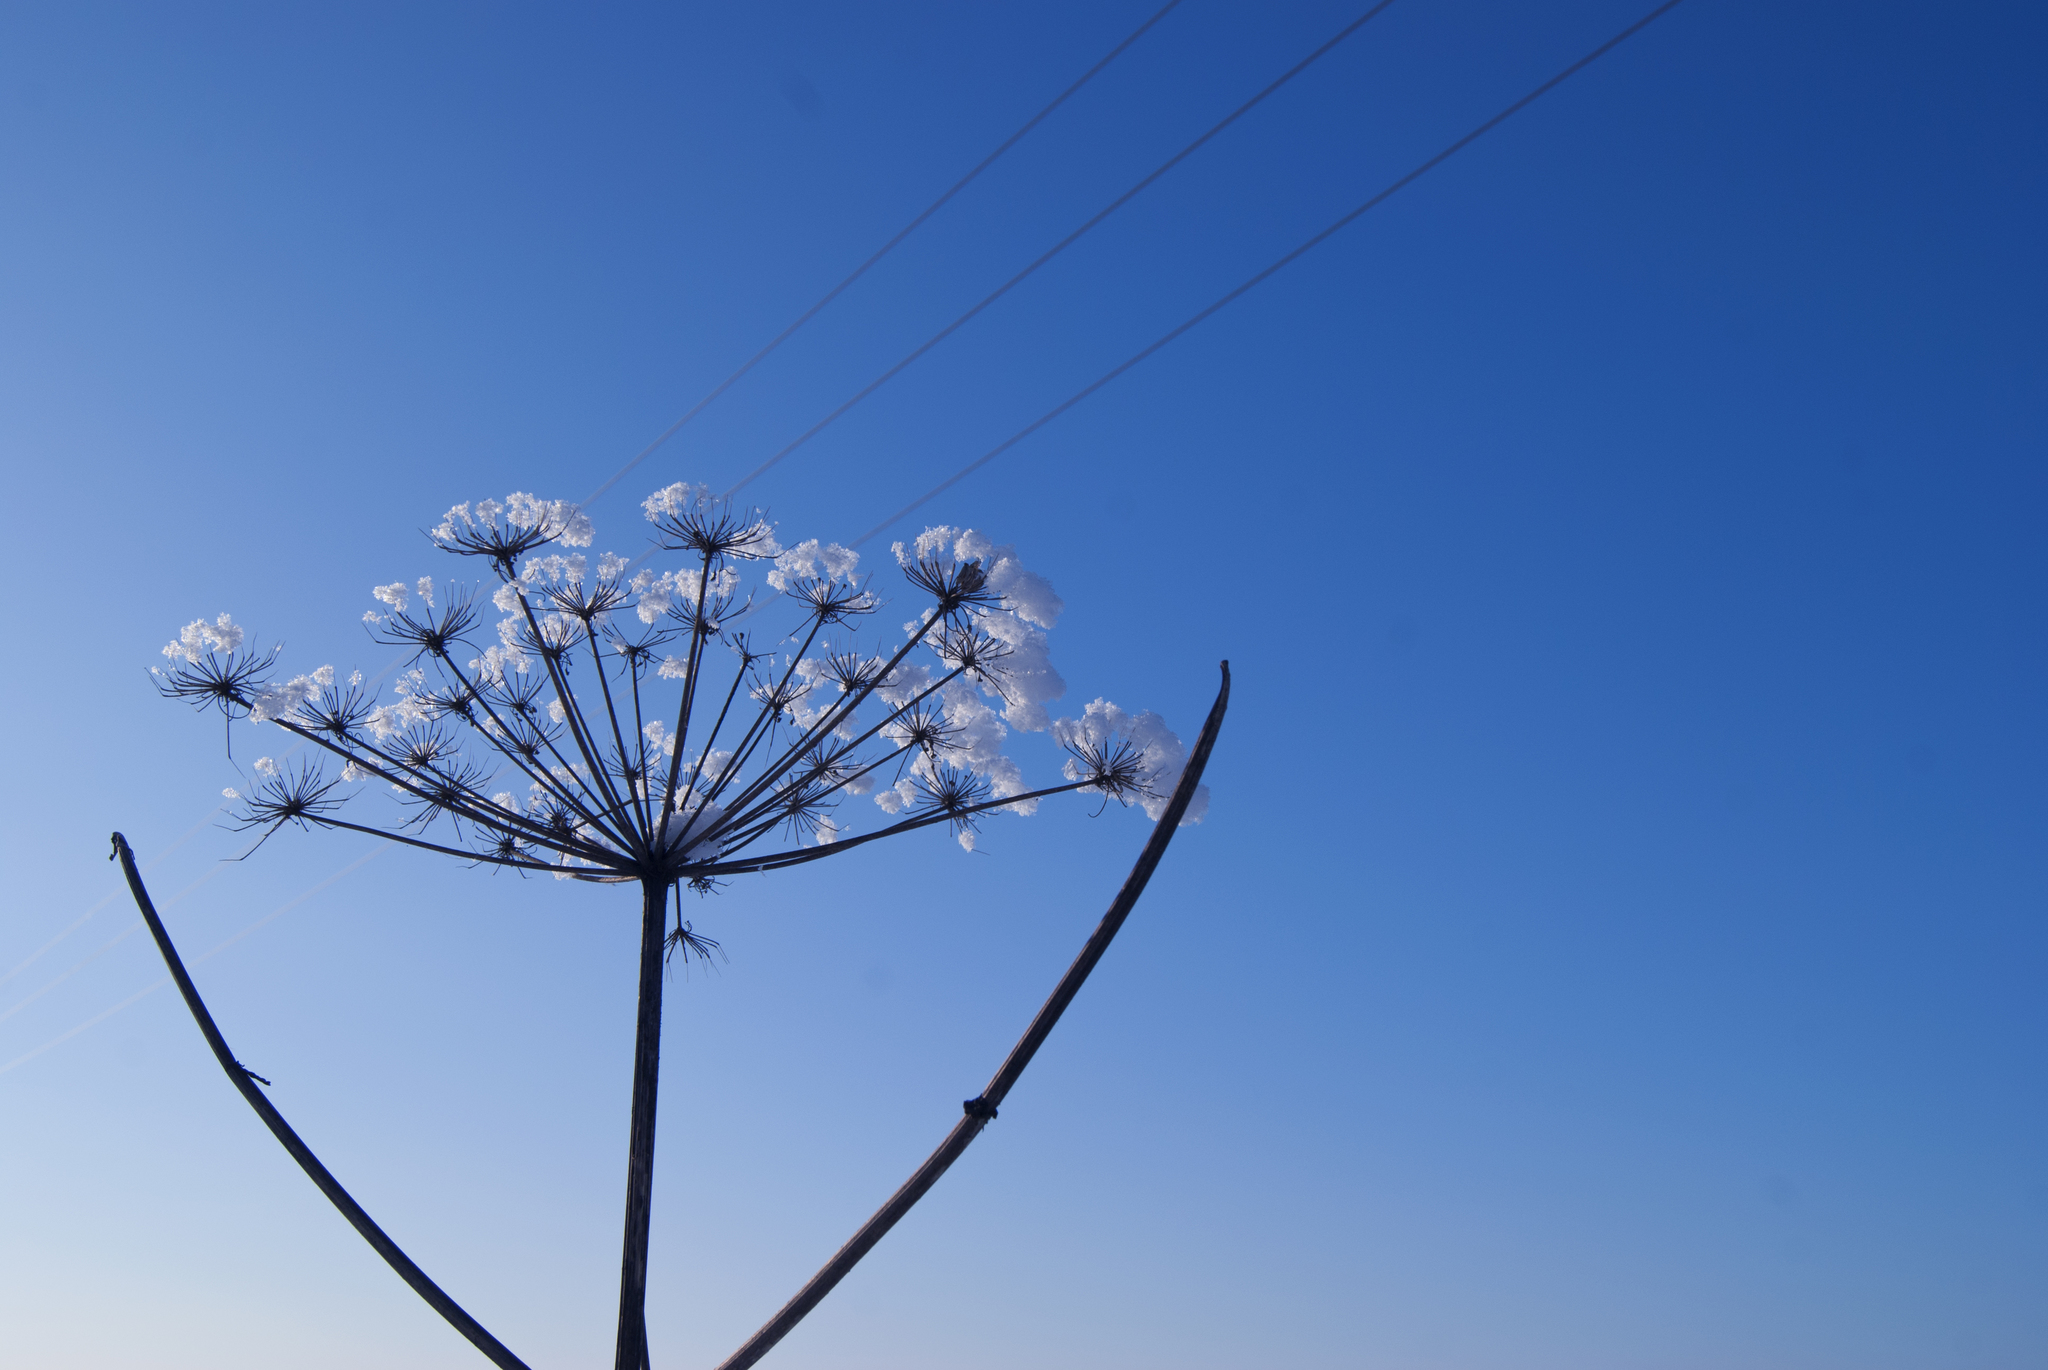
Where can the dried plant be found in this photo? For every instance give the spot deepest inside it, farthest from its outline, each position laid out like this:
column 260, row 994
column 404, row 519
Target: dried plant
column 633, row 725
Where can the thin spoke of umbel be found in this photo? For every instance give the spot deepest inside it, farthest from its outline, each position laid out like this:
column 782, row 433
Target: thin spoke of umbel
column 982, row 1109
column 303, row 1154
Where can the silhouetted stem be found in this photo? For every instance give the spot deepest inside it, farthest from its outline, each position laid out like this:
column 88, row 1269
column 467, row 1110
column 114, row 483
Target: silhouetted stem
column 982, row 1109
column 308, row 1162
column 632, row 1341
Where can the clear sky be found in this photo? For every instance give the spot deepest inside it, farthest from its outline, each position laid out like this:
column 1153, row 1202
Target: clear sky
column 1616, row 939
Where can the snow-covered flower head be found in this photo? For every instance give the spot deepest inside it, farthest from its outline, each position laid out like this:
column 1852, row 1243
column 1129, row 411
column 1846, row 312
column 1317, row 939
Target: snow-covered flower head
column 210, row 669
column 691, row 520
column 200, row 638
column 1129, row 758
column 655, row 731
column 734, row 711
column 476, row 530
column 809, row 560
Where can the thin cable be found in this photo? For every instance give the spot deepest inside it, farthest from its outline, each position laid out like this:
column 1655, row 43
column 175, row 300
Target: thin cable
column 885, row 249
column 107, row 946
column 218, row 948
column 1063, row 406
column 86, row 917
column 1062, row 245
column 155, row 861
column 116, row 940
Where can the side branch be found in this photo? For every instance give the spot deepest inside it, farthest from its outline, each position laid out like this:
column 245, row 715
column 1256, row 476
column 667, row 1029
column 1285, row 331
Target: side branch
column 796, row 857
column 308, row 1162
column 982, row 1109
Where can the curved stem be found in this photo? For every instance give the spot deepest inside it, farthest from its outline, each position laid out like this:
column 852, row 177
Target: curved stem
column 239, row 1076
column 981, row 1110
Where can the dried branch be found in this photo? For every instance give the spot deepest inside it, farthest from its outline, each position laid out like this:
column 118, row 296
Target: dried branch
column 980, row 1111
column 244, row 1080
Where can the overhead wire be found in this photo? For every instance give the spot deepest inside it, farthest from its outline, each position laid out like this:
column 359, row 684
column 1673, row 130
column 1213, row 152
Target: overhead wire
column 130, row 928
column 106, row 946
column 1192, row 321
column 86, row 917
column 1061, row 246
column 884, row 250
column 156, row 860
column 147, row 990
column 1410, row 178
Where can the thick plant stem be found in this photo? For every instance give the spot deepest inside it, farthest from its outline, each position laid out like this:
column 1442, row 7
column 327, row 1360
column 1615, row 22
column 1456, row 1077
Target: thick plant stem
column 632, row 1343
column 243, row 1080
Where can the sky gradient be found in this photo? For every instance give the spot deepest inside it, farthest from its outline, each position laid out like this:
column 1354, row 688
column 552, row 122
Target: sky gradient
column 1616, row 939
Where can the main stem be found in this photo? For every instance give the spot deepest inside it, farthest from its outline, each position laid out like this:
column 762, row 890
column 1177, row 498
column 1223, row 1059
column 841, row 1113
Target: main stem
column 632, row 1342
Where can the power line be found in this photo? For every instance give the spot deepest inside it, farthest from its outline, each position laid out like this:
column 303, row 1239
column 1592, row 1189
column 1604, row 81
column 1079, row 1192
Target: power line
column 983, row 165
column 105, row 947
column 1062, row 245
column 143, row 993
column 86, row 917
column 1063, row 406
column 156, row 860
column 120, row 937
column 1021, row 433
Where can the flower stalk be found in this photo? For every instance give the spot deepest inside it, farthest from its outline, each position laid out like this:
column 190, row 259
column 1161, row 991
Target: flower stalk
column 565, row 702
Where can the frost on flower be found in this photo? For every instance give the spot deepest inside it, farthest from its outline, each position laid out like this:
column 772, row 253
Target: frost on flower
column 200, row 638
column 692, row 830
column 663, row 725
column 555, row 569
column 729, row 711
column 496, row 660
column 529, row 523
column 1027, row 595
column 808, row 560
column 577, row 530
column 664, row 593
column 280, row 700
column 678, row 499
column 1154, row 752
column 977, row 742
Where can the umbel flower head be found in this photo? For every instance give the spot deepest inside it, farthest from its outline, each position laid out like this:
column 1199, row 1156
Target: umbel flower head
column 734, row 711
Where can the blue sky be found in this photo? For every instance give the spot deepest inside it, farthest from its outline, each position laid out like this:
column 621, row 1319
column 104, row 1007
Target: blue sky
column 1617, row 936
